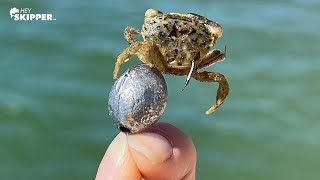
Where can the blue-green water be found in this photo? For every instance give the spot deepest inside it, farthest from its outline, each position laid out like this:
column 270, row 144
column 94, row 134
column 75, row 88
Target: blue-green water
column 55, row 78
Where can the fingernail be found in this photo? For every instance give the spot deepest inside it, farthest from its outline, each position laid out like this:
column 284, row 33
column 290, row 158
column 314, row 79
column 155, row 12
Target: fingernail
column 153, row 146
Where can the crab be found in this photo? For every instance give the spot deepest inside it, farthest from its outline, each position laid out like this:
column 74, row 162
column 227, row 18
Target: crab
column 178, row 44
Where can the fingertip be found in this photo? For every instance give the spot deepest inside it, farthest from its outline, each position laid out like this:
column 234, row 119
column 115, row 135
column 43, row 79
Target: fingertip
column 154, row 147
column 176, row 151
column 117, row 162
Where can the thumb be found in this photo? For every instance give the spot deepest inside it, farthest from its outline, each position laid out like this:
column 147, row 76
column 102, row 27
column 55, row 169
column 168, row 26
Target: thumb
column 161, row 152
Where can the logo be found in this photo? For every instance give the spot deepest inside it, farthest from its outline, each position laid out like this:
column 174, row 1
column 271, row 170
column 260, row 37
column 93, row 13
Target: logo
column 24, row 14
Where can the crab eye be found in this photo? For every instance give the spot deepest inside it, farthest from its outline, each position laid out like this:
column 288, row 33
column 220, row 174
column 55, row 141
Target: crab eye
column 215, row 29
column 150, row 13
column 137, row 99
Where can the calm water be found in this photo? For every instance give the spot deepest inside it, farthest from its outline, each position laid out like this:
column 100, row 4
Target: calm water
column 55, row 78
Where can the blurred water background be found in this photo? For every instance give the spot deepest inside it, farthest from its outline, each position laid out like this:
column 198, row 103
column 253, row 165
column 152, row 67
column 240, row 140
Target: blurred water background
column 55, row 78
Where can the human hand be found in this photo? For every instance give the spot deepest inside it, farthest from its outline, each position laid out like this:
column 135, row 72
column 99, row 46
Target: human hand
column 161, row 152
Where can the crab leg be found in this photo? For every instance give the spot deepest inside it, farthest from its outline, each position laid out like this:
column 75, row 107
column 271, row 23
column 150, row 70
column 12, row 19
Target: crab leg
column 223, row 89
column 147, row 51
column 128, row 32
column 122, row 58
